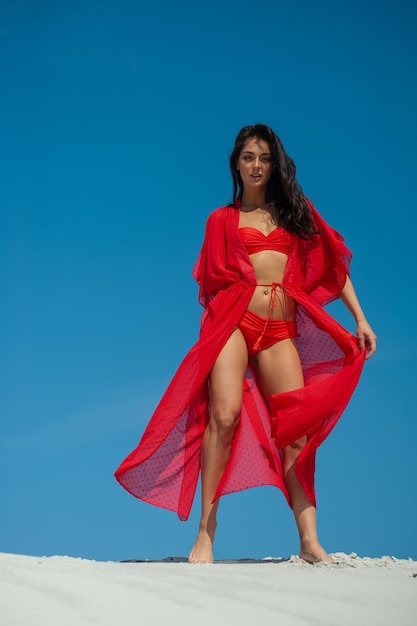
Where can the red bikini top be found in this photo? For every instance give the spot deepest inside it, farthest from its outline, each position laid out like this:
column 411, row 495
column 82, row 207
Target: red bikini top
column 255, row 241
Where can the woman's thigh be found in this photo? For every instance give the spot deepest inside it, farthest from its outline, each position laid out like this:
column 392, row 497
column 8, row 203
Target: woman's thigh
column 226, row 377
column 279, row 368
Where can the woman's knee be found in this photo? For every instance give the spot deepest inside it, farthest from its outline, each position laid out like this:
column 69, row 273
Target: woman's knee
column 292, row 451
column 224, row 421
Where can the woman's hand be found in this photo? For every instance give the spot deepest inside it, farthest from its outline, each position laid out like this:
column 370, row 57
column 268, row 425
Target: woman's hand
column 366, row 338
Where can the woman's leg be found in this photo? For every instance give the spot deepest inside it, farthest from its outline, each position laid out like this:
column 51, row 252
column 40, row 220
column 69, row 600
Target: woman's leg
column 279, row 370
column 226, row 389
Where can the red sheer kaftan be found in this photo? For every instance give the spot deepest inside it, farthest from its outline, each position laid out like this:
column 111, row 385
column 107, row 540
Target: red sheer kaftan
column 163, row 470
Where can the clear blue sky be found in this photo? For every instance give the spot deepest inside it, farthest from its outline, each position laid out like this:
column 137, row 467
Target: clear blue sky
column 117, row 119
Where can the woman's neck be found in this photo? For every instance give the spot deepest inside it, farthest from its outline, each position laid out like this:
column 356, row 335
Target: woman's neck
column 252, row 201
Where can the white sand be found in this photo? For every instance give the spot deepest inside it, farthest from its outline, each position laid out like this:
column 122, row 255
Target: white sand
column 63, row 591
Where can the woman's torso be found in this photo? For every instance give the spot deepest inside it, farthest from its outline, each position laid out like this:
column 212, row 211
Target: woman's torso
column 268, row 264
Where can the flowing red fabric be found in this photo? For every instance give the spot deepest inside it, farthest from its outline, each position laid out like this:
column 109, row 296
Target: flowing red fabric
column 164, row 468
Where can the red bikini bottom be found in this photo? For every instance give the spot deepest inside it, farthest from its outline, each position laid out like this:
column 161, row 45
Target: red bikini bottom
column 261, row 333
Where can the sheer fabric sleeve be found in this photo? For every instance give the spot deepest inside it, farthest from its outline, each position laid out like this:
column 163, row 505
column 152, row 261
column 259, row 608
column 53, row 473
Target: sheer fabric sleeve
column 215, row 268
column 326, row 262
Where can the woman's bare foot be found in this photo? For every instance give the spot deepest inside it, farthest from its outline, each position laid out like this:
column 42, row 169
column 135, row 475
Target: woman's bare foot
column 202, row 550
column 312, row 552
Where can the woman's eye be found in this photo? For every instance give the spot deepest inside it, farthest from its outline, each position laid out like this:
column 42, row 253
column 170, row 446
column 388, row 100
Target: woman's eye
column 266, row 160
column 247, row 158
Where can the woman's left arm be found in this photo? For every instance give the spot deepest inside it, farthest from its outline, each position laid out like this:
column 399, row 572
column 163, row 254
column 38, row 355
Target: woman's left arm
column 366, row 336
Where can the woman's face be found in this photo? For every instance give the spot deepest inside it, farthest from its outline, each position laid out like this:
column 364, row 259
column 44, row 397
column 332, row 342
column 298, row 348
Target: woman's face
column 255, row 163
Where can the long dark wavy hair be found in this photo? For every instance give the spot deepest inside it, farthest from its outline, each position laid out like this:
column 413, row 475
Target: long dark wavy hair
column 286, row 200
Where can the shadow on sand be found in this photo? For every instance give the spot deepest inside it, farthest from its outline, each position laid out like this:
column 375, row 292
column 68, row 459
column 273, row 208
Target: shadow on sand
column 182, row 559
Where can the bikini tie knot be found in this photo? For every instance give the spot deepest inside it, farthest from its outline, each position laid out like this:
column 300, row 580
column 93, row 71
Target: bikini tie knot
column 273, row 301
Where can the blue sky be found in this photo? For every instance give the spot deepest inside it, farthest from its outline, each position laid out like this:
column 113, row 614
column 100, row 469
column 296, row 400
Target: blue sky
column 116, row 124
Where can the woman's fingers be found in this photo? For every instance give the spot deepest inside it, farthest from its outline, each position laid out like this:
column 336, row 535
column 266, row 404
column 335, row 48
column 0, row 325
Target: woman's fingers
column 370, row 345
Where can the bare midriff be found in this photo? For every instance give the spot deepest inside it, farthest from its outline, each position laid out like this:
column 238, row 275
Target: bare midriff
column 269, row 268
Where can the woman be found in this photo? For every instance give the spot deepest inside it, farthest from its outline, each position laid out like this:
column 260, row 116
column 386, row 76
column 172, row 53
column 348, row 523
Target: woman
column 272, row 371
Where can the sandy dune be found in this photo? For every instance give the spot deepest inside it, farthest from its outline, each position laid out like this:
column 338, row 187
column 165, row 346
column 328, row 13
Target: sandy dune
column 64, row 591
